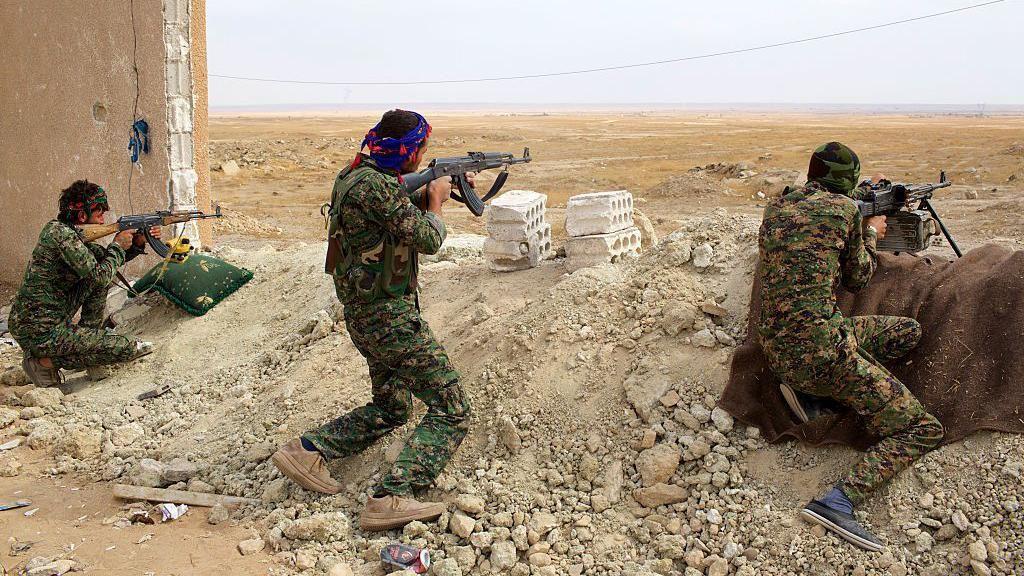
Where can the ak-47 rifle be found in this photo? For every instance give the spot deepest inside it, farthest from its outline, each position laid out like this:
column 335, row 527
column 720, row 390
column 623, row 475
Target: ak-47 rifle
column 909, row 228
column 142, row 223
column 456, row 168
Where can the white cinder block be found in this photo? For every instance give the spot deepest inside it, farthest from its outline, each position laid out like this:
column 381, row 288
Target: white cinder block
column 180, row 113
column 183, row 186
column 599, row 213
column 179, row 79
column 584, row 251
column 510, row 255
column 181, row 151
column 516, row 215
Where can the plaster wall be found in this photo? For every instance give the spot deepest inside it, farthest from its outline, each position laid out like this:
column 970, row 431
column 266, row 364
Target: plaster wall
column 67, row 103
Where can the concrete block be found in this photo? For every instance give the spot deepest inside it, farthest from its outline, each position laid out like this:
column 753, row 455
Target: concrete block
column 584, row 251
column 516, row 215
column 183, row 187
column 599, row 213
column 176, row 12
column 181, row 151
column 180, row 113
column 510, row 255
column 179, row 78
column 176, row 43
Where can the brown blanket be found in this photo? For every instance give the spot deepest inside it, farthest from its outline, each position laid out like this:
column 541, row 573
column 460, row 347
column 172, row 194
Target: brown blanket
column 968, row 369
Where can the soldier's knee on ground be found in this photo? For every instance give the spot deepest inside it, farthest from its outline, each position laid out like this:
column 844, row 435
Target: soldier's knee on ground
column 930, row 431
column 913, row 332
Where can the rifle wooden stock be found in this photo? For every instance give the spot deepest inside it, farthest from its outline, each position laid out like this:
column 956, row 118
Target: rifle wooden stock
column 93, row 232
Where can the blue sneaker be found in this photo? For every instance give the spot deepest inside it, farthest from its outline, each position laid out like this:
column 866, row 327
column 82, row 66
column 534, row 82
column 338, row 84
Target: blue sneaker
column 844, row 525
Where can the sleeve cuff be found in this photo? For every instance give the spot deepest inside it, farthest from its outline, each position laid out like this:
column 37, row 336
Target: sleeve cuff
column 116, row 251
column 870, row 238
column 438, row 225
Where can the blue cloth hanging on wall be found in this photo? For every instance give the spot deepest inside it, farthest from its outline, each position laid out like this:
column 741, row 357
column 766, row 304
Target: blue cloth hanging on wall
column 138, row 143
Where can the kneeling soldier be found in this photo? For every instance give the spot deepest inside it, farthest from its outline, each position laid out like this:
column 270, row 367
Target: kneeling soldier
column 66, row 274
column 375, row 234
column 813, row 239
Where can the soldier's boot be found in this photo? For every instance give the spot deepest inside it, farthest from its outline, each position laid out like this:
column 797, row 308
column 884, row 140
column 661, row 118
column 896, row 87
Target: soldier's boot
column 306, row 468
column 807, row 407
column 842, row 524
column 390, row 511
column 40, row 375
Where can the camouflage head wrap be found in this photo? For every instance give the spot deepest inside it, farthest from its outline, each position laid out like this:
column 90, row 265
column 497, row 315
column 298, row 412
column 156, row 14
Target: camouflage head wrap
column 835, row 167
column 81, row 196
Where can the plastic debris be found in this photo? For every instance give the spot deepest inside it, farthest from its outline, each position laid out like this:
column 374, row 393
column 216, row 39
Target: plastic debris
column 172, row 511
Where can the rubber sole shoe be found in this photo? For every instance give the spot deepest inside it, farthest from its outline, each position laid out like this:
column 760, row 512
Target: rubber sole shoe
column 388, row 512
column 842, row 524
column 806, row 406
column 305, row 468
column 40, row 375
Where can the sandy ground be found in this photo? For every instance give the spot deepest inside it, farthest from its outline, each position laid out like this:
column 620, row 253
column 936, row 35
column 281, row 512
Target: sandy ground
column 488, row 321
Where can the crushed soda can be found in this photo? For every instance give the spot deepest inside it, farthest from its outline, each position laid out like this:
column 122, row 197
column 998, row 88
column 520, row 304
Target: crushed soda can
column 405, row 557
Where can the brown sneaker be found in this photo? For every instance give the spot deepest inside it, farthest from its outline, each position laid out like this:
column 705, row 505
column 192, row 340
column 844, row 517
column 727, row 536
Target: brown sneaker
column 40, row 375
column 305, row 468
column 392, row 511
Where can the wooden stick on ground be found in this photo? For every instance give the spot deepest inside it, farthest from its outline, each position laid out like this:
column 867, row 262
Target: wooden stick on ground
column 127, row 492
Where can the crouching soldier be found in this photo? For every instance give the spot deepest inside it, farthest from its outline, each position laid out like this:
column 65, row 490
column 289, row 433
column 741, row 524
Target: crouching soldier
column 812, row 240
column 65, row 275
column 375, row 233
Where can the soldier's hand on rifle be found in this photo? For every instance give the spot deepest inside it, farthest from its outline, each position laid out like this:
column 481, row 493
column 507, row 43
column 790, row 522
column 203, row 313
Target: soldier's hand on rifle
column 438, row 192
column 878, row 223
column 139, row 239
column 124, row 239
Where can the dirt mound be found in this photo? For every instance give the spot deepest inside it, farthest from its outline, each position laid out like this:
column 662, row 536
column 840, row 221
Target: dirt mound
column 595, row 445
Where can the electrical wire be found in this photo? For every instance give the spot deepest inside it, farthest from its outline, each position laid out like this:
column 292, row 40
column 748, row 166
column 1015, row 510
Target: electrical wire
column 135, row 107
column 618, row 67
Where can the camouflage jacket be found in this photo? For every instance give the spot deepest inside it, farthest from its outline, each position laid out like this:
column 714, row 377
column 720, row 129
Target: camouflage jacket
column 63, row 270
column 811, row 242
column 382, row 231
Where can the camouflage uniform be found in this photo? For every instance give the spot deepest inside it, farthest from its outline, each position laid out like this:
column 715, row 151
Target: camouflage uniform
column 811, row 241
column 381, row 231
column 66, row 274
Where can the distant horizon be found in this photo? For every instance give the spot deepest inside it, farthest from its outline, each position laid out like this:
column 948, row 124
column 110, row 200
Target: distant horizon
column 541, row 107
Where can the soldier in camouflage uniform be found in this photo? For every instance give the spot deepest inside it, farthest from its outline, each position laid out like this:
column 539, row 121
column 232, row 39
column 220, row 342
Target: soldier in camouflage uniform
column 66, row 274
column 812, row 240
column 375, row 233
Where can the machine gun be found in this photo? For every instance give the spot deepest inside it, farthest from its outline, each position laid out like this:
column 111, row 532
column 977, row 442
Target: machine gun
column 142, row 223
column 908, row 228
column 456, row 168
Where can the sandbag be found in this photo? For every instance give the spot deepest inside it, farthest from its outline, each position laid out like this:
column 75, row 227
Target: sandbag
column 195, row 285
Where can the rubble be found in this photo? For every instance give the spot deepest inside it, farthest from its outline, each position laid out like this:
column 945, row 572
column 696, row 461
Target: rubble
column 595, row 448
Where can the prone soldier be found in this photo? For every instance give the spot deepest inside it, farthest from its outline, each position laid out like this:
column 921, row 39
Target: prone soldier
column 812, row 240
column 66, row 274
column 375, row 233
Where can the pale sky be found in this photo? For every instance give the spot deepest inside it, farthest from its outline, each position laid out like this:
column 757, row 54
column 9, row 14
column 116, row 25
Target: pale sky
column 963, row 58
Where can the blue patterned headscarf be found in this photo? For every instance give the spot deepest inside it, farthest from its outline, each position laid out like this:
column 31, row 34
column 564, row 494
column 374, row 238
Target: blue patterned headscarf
column 392, row 153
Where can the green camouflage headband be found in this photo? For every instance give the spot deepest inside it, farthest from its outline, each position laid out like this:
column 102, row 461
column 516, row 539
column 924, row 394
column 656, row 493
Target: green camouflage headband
column 835, row 167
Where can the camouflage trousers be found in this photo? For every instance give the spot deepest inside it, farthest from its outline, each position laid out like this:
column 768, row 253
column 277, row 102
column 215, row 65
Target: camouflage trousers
column 405, row 360
column 76, row 347
column 852, row 374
